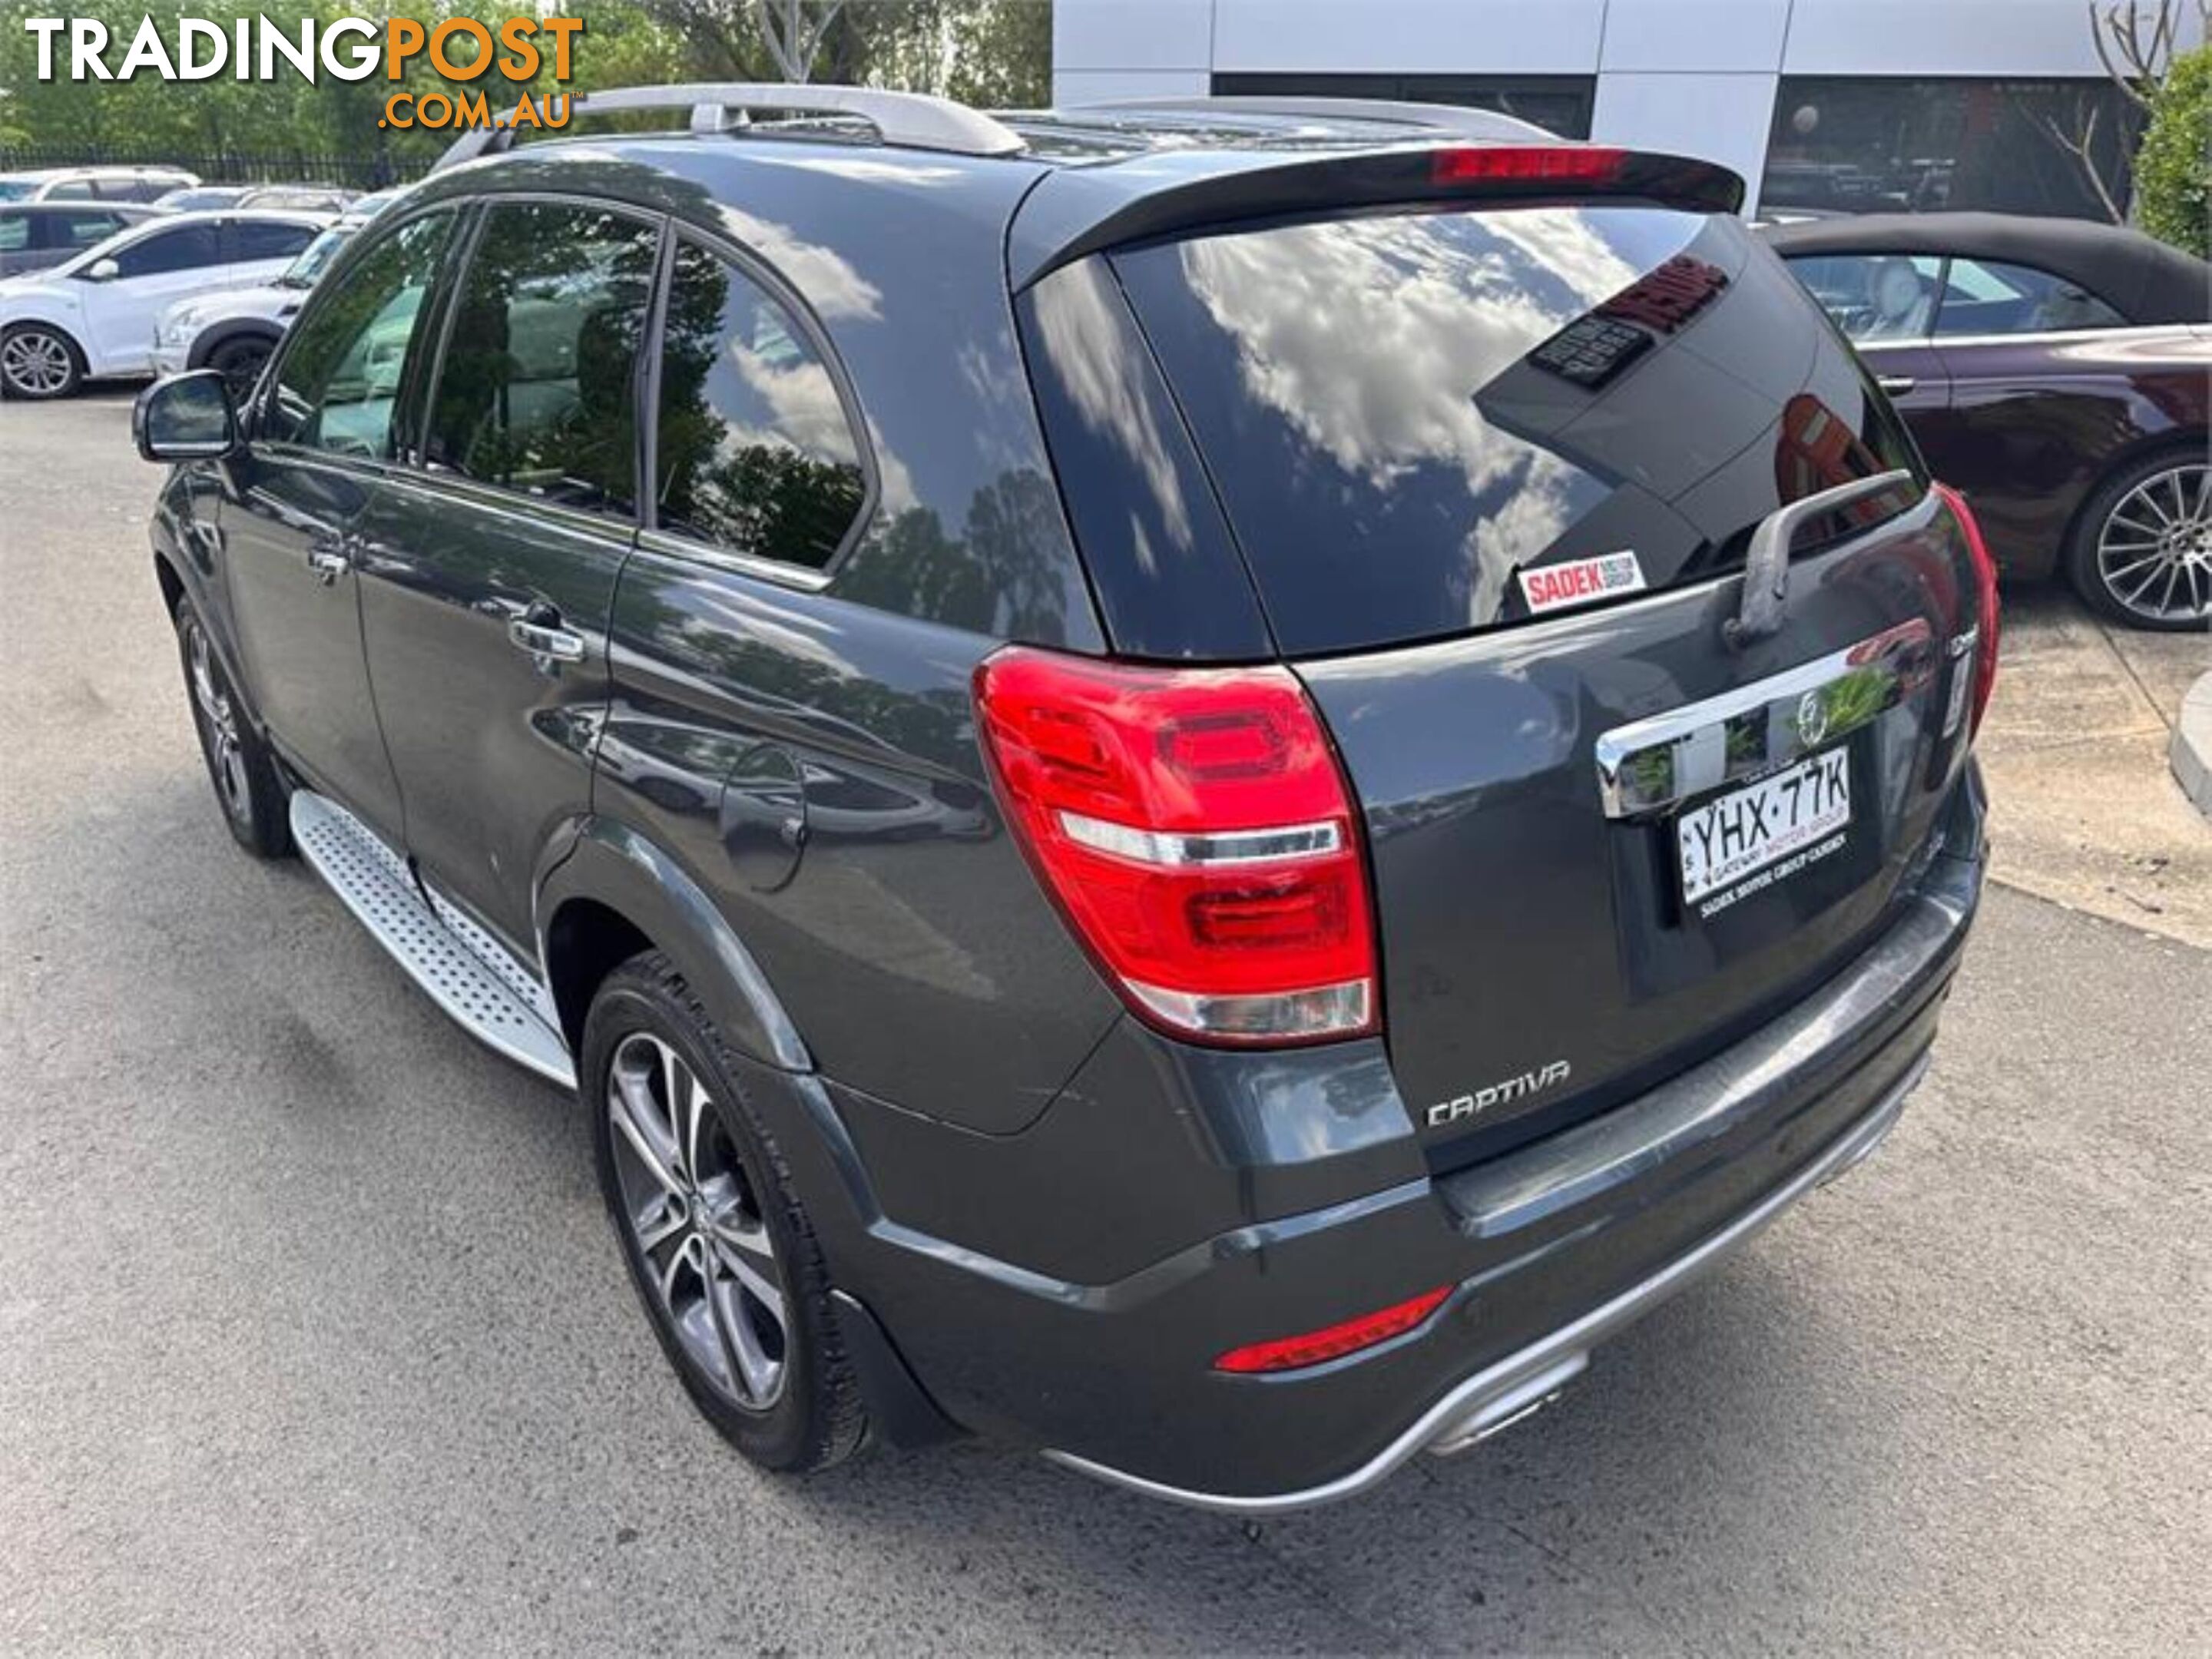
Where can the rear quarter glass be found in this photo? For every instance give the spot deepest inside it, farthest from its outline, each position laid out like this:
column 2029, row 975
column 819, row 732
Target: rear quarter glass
column 1408, row 414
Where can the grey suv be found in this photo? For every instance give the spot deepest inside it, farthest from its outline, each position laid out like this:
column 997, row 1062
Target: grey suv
column 1198, row 786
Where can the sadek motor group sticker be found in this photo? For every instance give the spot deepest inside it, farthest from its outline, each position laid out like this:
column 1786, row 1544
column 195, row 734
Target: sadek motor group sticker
column 1581, row 581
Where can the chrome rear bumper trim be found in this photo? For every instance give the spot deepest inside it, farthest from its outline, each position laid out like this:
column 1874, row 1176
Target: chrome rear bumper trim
column 1517, row 1385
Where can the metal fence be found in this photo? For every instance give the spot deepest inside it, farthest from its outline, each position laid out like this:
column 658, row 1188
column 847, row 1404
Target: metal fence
column 367, row 171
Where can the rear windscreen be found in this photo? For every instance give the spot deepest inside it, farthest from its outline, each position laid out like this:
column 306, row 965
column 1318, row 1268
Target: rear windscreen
column 1410, row 415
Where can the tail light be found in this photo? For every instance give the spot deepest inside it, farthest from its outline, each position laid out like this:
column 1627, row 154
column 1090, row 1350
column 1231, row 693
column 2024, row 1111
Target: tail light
column 1334, row 1341
column 1194, row 829
column 1986, row 587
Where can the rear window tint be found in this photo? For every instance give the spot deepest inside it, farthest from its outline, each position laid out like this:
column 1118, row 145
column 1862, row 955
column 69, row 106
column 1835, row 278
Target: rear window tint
column 1403, row 412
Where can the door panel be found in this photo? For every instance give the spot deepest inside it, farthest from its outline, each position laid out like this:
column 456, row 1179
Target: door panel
column 156, row 272
column 2030, row 429
column 325, row 429
column 488, row 576
column 299, row 629
column 1914, row 374
column 492, row 741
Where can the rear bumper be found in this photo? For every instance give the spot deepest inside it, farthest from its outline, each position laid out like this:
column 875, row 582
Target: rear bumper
column 1503, row 1393
column 1550, row 1249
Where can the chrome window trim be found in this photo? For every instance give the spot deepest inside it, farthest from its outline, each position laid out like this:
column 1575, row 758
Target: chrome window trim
column 673, row 545
column 2047, row 337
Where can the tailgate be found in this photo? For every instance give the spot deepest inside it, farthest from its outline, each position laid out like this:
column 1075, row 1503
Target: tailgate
column 1493, row 472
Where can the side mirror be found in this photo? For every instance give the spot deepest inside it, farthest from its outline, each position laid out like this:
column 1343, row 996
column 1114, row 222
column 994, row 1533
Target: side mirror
column 188, row 418
column 102, row 270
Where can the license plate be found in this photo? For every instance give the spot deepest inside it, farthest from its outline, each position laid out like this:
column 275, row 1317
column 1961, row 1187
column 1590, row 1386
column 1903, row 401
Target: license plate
column 1741, row 836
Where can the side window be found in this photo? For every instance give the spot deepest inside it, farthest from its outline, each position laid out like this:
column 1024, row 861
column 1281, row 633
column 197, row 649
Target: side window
column 76, row 230
column 1873, row 296
column 1982, row 296
column 338, row 384
column 263, row 239
column 188, row 248
column 536, row 391
column 14, row 232
column 77, row 190
column 752, row 450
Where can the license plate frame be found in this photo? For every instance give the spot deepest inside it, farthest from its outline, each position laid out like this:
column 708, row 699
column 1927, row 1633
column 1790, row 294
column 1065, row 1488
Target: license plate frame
column 1739, row 840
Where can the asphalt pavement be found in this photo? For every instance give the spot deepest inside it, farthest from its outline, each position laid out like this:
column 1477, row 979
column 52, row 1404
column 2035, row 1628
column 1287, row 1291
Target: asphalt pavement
column 312, row 1338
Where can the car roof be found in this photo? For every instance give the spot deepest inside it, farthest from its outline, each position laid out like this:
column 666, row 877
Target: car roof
column 128, row 210
column 2143, row 279
column 1070, row 181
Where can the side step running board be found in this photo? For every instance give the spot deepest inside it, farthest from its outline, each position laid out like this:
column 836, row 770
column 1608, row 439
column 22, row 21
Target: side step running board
column 497, row 999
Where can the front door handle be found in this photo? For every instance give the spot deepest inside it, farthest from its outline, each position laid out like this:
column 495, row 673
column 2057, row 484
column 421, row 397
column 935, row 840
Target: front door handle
column 538, row 631
column 329, row 559
column 1895, row 385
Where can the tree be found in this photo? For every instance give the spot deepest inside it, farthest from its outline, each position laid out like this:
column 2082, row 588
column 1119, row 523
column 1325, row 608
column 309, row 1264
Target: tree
column 2174, row 173
column 2135, row 41
column 793, row 30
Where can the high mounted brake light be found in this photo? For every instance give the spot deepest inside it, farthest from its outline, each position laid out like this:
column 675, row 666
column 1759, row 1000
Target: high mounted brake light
column 1985, row 584
column 1194, row 829
column 1578, row 164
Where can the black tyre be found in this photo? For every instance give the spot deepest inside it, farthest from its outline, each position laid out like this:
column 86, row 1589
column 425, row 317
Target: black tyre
column 240, row 362
column 2141, row 552
column 37, row 361
column 718, row 1247
column 239, row 764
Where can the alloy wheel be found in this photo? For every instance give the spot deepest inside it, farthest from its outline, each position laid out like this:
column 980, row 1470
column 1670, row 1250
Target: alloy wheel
column 34, row 363
column 2154, row 550
column 216, row 716
column 694, row 1219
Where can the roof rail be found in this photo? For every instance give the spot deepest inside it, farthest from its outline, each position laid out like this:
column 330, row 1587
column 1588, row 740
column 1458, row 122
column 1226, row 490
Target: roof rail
column 1456, row 118
column 910, row 120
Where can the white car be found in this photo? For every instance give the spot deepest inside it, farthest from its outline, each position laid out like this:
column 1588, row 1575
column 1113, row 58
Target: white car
column 93, row 315
column 109, row 183
column 235, row 330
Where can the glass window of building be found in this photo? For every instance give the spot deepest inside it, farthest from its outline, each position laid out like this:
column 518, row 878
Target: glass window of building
column 1860, row 145
column 1560, row 104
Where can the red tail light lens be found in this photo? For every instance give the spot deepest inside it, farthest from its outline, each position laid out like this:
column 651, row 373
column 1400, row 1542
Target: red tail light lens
column 1333, row 1341
column 1567, row 164
column 1196, row 830
column 1985, row 585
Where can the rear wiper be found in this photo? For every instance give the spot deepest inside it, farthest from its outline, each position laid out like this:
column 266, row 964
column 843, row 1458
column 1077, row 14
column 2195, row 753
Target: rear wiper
column 1767, row 566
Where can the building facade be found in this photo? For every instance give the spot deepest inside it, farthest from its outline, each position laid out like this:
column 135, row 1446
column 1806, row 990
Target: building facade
column 1821, row 105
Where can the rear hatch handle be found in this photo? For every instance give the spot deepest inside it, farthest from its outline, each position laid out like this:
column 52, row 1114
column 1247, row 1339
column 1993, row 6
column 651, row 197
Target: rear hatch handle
column 1767, row 566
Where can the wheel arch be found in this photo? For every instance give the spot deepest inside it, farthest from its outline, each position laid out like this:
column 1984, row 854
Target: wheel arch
column 209, row 341
column 2184, row 439
column 617, row 893
column 172, row 584
column 39, row 318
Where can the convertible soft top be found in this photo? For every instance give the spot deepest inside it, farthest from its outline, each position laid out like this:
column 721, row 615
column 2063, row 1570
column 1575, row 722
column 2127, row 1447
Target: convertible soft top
column 2142, row 278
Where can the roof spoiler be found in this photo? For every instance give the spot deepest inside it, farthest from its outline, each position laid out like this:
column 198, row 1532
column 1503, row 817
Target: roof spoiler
column 1081, row 210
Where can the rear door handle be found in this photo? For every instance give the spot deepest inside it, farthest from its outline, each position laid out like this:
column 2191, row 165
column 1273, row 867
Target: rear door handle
column 1895, row 385
column 538, row 631
column 329, row 558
